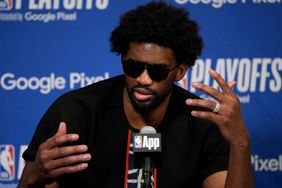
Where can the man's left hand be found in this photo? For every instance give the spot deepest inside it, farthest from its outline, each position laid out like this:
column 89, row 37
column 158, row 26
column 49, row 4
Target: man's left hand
column 227, row 115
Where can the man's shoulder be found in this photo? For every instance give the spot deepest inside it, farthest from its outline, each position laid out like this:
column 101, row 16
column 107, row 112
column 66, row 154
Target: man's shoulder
column 178, row 105
column 97, row 89
column 181, row 92
column 179, row 98
column 95, row 94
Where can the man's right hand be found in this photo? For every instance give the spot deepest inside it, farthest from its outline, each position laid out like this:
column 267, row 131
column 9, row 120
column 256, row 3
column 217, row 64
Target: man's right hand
column 53, row 160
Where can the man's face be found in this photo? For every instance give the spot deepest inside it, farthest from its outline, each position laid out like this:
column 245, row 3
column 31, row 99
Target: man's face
column 145, row 93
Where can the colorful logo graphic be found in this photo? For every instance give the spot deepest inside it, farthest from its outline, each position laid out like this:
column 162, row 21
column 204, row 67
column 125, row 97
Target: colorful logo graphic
column 7, row 162
column 183, row 82
column 138, row 141
column 6, row 4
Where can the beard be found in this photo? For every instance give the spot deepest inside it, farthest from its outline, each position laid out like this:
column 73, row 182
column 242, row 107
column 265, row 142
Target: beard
column 147, row 106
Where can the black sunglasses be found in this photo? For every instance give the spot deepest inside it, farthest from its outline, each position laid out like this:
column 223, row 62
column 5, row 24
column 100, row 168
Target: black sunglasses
column 156, row 72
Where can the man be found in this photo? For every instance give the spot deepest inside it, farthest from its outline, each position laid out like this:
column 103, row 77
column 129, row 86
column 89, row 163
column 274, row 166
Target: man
column 83, row 140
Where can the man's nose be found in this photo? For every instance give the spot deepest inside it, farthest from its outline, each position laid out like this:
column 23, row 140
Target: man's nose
column 144, row 78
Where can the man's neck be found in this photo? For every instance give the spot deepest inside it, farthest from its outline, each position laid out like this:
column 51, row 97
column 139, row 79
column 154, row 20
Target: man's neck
column 139, row 120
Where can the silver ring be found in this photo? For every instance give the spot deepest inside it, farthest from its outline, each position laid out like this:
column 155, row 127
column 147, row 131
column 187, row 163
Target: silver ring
column 217, row 108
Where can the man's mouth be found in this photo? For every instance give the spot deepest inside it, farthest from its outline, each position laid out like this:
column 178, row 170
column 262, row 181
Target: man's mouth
column 142, row 94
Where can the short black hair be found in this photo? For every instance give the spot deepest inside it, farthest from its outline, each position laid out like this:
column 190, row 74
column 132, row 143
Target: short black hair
column 161, row 24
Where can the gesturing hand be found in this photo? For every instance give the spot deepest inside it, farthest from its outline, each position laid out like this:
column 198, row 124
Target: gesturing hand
column 226, row 114
column 53, row 159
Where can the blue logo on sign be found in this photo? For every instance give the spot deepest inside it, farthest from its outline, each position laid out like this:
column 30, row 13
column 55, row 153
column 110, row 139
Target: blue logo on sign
column 138, row 141
column 5, row 4
column 7, row 162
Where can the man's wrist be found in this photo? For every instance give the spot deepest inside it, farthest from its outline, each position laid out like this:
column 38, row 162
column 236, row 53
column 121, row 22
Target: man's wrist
column 34, row 183
column 243, row 144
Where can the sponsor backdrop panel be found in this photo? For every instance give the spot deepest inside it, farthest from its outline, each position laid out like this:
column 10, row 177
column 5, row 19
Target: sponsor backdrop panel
column 50, row 47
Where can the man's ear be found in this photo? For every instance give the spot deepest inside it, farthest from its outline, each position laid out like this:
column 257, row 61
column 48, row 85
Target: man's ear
column 181, row 71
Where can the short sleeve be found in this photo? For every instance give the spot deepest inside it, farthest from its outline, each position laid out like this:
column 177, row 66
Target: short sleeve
column 215, row 153
column 68, row 109
column 46, row 128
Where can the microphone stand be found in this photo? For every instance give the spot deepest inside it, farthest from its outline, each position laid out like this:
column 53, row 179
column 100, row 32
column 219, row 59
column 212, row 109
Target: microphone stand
column 147, row 172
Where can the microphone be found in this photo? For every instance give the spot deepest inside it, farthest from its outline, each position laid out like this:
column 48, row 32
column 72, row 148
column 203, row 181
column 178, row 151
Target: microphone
column 147, row 143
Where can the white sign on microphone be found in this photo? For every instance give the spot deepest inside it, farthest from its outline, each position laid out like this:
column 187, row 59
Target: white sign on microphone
column 147, row 142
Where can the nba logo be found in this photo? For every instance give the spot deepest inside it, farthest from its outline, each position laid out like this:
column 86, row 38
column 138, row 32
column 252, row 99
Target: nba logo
column 183, row 82
column 5, row 4
column 7, row 162
column 138, row 141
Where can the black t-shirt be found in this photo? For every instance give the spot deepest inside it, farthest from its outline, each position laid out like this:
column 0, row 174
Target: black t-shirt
column 192, row 149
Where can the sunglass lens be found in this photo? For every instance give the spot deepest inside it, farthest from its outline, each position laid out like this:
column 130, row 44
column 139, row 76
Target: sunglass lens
column 158, row 72
column 133, row 69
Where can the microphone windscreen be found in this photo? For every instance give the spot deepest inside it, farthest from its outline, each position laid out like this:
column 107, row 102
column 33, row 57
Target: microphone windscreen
column 147, row 143
column 148, row 130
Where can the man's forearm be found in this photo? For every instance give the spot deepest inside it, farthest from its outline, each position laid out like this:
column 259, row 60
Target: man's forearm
column 239, row 170
column 25, row 181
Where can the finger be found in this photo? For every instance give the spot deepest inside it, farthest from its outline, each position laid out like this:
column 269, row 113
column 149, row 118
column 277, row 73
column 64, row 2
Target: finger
column 62, row 129
column 213, row 117
column 232, row 83
column 56, row 141
column 68, row 169
column 201, row 103
column 60, row 152
column 221, row 82
column 69, row 160
column 209, row 90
